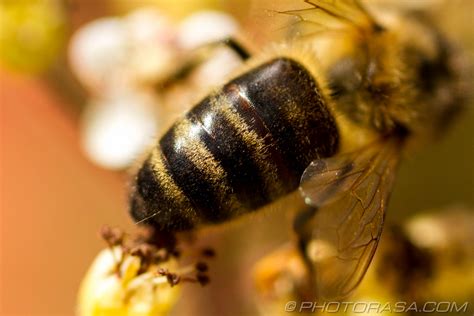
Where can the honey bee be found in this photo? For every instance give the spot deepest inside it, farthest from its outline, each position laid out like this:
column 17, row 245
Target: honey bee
column 329, row 113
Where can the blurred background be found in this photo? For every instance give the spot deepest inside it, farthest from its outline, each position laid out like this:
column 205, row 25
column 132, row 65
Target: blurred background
column 82, row 93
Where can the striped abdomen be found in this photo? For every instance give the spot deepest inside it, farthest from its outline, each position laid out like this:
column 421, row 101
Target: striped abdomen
column 237, row 150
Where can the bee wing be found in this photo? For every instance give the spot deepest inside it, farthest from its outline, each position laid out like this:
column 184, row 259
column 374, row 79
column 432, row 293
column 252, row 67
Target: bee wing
column 329, row 15
column 348, row 195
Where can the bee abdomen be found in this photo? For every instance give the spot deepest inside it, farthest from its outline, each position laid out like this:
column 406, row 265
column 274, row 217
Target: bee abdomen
column 244, row 146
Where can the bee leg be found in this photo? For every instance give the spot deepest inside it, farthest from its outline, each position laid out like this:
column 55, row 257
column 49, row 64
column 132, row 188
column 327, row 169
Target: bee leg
column 300, row 227
column 303, row 233
column 201, row 54
column 229, row 42
column 234, row 45
column 302, row 218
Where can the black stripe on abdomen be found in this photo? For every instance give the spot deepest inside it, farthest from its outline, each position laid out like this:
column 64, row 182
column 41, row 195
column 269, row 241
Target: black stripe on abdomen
column 287, row 99
column 237, row 96
column 232, row 152
column 197, row 173
column 154, row 201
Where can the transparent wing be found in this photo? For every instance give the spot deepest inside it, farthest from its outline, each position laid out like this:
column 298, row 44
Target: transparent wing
column 323, row 15
column 348, row 195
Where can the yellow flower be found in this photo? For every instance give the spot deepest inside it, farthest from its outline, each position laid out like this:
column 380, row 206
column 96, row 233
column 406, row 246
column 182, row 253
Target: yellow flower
column 32, row 33
column 115, row 285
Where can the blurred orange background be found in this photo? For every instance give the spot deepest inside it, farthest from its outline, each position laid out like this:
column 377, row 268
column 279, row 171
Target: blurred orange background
column 52, row 201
